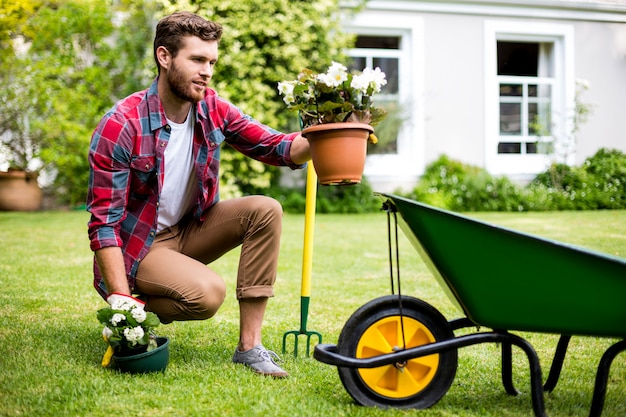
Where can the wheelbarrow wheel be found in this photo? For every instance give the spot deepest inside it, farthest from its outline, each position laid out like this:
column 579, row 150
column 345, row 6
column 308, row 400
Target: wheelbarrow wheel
column 376, row 329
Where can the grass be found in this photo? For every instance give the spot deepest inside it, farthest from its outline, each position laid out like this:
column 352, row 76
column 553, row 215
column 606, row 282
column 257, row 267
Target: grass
column 50, row 348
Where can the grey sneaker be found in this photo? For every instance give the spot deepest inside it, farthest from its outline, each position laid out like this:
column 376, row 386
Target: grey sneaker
column 261, row 361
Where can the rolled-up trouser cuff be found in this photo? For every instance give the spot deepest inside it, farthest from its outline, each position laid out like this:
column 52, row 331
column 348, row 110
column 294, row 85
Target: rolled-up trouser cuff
column 259, row 291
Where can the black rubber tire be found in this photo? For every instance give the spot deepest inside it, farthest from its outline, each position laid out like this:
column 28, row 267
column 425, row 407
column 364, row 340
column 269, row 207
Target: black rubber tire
column 418, row 313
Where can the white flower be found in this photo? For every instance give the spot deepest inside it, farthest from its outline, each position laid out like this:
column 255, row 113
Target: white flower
column 289, row 99
column 360, row 83
column 376, row 78
column 324, row 79
column 134, row 335
column 138, row 314
column 582, row 83
column 286, row 87
column 337, row 74
column 117, row 318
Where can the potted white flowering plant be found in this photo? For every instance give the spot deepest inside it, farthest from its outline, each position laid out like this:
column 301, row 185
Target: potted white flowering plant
column 336, row 106
column 133, row 344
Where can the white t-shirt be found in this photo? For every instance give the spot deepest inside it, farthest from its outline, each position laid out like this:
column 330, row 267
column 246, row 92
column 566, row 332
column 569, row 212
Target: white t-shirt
column 179, row 187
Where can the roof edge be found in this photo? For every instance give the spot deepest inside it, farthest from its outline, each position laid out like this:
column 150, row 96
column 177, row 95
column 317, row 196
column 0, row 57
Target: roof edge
column 587, row 10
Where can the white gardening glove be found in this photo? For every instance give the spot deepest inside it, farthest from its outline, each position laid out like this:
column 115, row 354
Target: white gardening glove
column 118, row 301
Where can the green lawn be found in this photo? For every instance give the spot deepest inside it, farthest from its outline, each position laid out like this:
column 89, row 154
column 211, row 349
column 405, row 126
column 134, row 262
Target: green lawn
column 50, row 344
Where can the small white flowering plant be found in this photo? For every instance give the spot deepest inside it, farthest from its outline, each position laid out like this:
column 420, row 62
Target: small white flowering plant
column 128, row 327
column 335, row 96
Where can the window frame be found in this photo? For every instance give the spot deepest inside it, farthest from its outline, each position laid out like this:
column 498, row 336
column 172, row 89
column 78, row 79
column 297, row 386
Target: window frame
column 561, row 36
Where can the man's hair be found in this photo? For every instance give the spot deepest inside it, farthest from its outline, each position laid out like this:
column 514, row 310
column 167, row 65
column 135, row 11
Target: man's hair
column 172, row 29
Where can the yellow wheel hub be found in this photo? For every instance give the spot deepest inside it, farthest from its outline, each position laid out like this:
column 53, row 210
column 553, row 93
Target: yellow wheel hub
column 399, row 380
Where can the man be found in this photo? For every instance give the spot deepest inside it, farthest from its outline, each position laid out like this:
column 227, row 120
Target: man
column 156, row 217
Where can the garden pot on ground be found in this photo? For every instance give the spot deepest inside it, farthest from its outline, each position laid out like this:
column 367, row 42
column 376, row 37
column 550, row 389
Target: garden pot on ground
column 155, row 360
column 338, row 151
column 19, row 191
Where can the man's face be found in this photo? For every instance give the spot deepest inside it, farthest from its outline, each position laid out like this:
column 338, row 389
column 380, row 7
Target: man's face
column 190, row 72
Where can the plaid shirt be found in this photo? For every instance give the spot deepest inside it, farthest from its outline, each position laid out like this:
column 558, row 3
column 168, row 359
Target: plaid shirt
column 126, row 158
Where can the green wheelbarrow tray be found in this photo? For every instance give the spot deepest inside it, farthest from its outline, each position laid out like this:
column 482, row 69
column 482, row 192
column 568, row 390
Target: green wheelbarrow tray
column 505, row 279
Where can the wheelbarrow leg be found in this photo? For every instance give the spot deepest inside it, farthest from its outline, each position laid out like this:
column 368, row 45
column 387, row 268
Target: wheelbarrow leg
column 555, row 369
column 507, row 369
column 599, row 392
column 307, row 266
column 536, row 390
column 557, row 363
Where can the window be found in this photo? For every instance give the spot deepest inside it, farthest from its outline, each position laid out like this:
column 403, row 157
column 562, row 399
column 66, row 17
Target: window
column 383, row 52
column 529, row 85
column 525, row 80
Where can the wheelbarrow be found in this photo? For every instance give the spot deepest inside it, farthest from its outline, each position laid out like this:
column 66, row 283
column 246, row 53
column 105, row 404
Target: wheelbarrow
column 399, row 351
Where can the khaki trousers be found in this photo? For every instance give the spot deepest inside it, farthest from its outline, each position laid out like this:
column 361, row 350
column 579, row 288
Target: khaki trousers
column 174, row 278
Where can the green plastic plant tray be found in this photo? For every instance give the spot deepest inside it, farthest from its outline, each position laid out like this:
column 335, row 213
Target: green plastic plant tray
column 508, row 280
column 153, row 361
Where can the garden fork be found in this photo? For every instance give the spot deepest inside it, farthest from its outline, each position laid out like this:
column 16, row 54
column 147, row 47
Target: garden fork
column 307, row 266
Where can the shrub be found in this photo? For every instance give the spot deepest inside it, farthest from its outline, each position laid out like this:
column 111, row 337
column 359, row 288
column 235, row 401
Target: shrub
column 608, row 169
column 461, row 187
column 357, row 198
column 599, row 183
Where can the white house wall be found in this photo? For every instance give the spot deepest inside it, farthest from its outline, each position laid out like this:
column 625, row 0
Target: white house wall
column 454, row 88
column 601, row 60
column 450, row 89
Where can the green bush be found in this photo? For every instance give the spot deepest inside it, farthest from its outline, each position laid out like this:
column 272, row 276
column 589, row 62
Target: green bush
column 357, row 198
column 461, row 187
column 608, row 169
column 599, row 183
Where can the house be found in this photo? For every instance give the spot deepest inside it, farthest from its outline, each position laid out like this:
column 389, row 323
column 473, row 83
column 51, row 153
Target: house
column 494, row 83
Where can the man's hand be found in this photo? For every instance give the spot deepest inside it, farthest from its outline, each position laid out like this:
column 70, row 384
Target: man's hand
column 300, row 152
column 117, row 301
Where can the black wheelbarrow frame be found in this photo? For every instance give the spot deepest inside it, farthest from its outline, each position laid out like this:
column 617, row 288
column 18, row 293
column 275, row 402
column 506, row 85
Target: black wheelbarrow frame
column 574, row 291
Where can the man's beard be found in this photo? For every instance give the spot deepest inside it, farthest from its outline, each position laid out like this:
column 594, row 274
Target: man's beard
column 182, row 87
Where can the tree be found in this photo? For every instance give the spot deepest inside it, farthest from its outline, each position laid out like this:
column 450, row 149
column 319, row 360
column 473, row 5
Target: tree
column 13, row 16
column 77, row 57
column 72, row 63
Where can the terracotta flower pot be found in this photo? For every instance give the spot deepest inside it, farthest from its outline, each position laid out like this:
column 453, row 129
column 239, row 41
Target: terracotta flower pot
column 19, row 191
column 155, row 360
column 338, row 151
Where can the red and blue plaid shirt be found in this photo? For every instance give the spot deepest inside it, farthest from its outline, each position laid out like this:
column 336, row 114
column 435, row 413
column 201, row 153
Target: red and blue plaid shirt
column 126, row 158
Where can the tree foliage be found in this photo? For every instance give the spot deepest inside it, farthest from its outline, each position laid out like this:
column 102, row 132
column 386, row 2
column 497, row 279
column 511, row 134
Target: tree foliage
column 68, row 61
column 65, row 62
